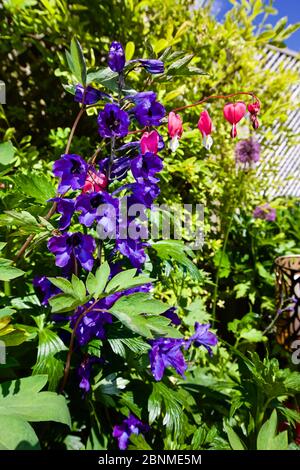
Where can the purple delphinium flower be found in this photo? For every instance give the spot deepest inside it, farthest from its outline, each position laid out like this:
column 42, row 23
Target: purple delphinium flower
column 92, row 324
column 116, row 57
column 66, row 208
column 84, row 371
column 72, row 170
column 265, row 212
column 145, row 193
column 99, row 206
column 139, row 98
column 149, row 112
column 71, row 246
column 130, row 425
column 202, row 337
column 91, row 95
column 46, row 288
column 144, row 167
column 247, row 151
column 166, row 352
column 172, row 315
column 133, row 250
column 113, row 121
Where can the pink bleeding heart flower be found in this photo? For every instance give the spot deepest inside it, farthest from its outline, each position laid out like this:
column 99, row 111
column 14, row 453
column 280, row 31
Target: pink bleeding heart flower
column 149, row 142
column 205, row 127
column 95, row 182
column 175, row 130
column 233, row 113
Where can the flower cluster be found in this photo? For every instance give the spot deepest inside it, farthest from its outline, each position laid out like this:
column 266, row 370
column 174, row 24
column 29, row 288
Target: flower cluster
column 233, row 113
column 265, row 212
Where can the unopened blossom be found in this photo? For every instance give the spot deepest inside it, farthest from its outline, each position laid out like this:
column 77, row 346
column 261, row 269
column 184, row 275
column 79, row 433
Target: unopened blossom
column 233, row 113
column 166, row 352
column 89, row 95
column 247, row 151
column 70, row 247
column 113, row 121
column 172, row 315
column 205, row 127
column 94, row 182
column 149, row 142
column 175, row 130
column 84, row 371
column 265, row 212
column 130, row 425
column 254, row 109
column 116, row 57
column 202, row 337
column 72, row 171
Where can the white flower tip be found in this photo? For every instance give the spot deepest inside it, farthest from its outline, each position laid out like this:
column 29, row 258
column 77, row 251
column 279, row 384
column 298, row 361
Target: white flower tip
column 207, row 141
column 174, row 144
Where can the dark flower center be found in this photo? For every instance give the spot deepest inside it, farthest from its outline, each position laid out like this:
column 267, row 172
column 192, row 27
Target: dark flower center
column 112, row 121
column 74, row 240
column 95, row 201
column 75, row 167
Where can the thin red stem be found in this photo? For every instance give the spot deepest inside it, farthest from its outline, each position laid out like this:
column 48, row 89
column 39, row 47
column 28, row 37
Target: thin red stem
column 215, row 97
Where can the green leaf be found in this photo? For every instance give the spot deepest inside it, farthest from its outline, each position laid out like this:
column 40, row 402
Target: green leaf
column 176, row 250
column 102, row 275
column 178, row 64
column 253, row 335
column 64, row 303
column 63, row 284
column 138, row 442
column 164, row 401
column 78, row 62
column 267, row 438
column 6, row 312
column 35, row 185
column 22, row 219
column 129, row 50
column 31, row 405
column 234, row 440
column 138, row 303
column 121, row 279
column 9, row 272
column 79, row 288
column 7, row 153
column 91, row 283
column 16, row 434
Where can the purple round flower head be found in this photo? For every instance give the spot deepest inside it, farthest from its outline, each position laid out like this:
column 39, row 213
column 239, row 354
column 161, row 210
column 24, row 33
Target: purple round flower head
column 46, row 288
column 130, row 425
column 71, row 246
column 172, row 315
column 100, row 206
column 202, row 337
column 66, row 208
column 145, row 167
column 247, row 151
column 149, row 112
column 113, row 121
column 166, row 352
column 72, row 170
column 265, row 212
column 84, row 371
column 91, row 95
column 133, row 250
column 116, row 57
column 152, row 65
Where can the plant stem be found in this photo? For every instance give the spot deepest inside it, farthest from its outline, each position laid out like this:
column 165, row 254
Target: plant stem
column 71, row 345
column 216, row 97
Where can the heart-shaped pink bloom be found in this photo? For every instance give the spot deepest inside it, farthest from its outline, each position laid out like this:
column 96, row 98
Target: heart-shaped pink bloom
column 94, row 182
column 234, row 112
column 205, row 123
column 175, row 127
column 149, row 142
